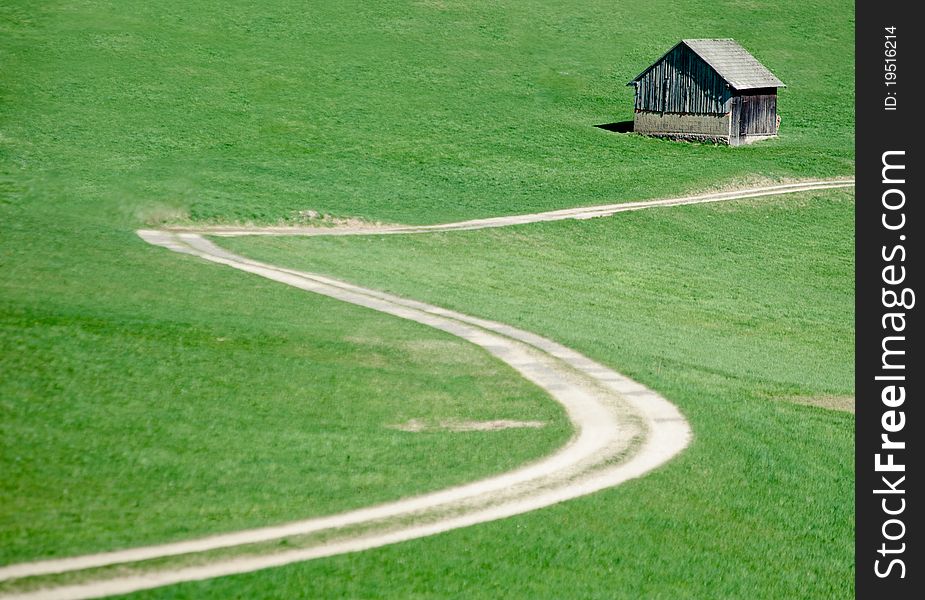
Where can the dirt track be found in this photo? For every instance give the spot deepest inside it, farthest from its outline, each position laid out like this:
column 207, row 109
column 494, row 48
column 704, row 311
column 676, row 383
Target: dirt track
column 623, row 429
column 585, row 212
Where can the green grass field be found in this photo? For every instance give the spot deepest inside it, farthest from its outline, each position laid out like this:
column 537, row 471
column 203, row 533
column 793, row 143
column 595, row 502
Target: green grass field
column 403, row 111
column 731, row 328
column 147, row 396
column 234, row 403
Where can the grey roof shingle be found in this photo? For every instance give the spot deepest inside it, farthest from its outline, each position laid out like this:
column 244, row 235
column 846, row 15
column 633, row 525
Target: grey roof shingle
column 740, row 69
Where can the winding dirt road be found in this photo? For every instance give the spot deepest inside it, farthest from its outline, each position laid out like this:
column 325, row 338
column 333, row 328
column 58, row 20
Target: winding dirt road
column 623, row 429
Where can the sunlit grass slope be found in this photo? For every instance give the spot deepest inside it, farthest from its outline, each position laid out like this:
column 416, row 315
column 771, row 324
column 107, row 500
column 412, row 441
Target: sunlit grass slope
column 114, row 385
column 194, row 399
column 394, row 110
column 731, row 311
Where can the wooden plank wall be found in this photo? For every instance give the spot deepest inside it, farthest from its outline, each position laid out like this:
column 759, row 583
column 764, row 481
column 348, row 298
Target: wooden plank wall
column 682, row 83
column 754, row 112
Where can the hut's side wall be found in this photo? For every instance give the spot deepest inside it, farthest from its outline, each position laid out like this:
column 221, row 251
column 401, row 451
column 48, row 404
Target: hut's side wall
column 754, row 115
column 704, row 127
column 682, row 83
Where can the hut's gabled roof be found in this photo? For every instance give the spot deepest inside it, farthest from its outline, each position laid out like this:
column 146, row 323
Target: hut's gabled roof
column 732, row 62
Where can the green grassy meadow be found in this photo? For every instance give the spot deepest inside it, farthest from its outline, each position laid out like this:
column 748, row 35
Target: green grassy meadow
column 770, row 300
column 147, row 396
column 394, row 110
column 149, row 412
column 731, row 328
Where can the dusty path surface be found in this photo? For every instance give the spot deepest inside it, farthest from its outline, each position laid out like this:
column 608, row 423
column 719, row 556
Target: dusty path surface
column 623, row 430
column 585, row 212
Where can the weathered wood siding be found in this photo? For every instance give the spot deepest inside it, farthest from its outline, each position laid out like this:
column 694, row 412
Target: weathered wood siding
column 682, row 83
column 754, row 113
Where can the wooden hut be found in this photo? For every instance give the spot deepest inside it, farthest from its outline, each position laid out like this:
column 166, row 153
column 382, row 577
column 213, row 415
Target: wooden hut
column 711, row 90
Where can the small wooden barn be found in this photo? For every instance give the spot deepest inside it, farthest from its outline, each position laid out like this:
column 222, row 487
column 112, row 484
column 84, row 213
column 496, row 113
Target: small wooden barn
column 710, row 90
